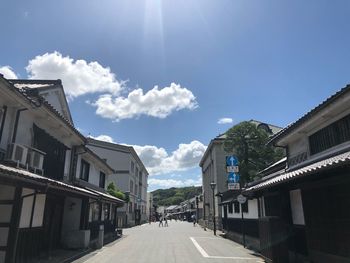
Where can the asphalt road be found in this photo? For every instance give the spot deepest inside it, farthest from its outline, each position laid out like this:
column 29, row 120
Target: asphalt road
column 180, row 242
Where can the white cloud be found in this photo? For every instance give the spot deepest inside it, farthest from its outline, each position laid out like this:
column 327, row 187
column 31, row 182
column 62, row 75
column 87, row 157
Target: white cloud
column 158, row 161
column 78, row 76
column 103, row 137
column 225, row 121
column 8, row 72
column 156, row 103
column 167, row 183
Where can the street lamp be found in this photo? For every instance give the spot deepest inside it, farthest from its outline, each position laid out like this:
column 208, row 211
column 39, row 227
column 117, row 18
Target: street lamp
column 212, row 186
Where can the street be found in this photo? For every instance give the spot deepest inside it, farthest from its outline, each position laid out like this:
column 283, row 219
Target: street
column 180, row 242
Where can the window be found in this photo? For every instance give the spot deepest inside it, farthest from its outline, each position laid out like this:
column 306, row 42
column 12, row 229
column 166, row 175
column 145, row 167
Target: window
column 140, row 177
column 95, row 212
column 102, row 180
column 32, row 213
column 132, row 168
column 84, row 170
column 245, row 207
column 332, row 135
column 136, row 171
column 136, row 192
column 131, row 186
column 236, row 205
column 130, row 207
column 230, row 208
column 106, row 211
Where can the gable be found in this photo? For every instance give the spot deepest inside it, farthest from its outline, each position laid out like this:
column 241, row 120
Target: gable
column 56, row 97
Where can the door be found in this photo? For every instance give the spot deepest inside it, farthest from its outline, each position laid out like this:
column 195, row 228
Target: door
column 53, row 221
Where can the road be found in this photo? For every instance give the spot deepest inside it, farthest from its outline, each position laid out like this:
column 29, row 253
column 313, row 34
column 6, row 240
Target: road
column 180, row 242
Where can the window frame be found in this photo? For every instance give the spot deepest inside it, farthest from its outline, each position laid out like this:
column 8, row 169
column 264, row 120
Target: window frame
column 86, row 172
column 102, row 174
column 230, row 208
column 237, row 208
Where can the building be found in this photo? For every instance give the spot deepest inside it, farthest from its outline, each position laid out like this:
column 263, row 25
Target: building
column 213, row 165
column 130, row 176
column 304, row 206
column 51, row 194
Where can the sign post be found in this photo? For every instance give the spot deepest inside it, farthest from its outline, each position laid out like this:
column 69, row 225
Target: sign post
column 233, row 183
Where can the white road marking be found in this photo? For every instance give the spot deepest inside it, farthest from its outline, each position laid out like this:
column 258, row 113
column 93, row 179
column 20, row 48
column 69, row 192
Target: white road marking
column 199, row 248
column 205, row 254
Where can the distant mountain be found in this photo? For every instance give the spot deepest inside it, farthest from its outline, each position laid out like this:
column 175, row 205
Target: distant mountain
column 174, row 196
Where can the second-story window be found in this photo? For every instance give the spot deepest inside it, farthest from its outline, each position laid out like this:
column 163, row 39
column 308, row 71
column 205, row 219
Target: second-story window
column 140, row 177
column 132, row 168
column 330, row 136
column 102, row 180
column 84, row 170
column 131, row 186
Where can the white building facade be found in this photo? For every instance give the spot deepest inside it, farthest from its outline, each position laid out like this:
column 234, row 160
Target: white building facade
column 130, row 176
column 42, row 205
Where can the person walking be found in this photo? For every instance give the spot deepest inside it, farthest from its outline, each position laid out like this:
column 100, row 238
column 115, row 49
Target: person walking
column 194, row 219
column 161, row 221
column 166, row 221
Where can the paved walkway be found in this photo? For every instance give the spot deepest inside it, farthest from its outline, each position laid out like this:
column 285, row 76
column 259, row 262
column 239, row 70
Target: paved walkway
column 180, row 242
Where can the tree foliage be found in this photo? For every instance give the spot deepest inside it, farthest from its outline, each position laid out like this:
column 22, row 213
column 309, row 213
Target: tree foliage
column 112, row 190
column 174, row 196
column 248, row 143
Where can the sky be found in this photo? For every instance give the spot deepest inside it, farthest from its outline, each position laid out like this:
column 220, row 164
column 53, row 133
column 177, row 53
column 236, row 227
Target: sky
column 169, row 76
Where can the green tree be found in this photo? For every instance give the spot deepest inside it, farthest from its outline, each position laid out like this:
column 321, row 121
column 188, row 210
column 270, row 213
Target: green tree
column 248, row 143
column 112, row 190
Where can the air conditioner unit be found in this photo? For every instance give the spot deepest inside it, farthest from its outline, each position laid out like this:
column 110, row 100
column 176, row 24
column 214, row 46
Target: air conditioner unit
column 36, row 159
column 17, row 153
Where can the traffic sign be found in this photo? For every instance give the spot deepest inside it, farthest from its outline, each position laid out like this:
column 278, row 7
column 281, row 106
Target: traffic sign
column 233, row 186
column 232, row 169
column 233, row 178
column 231, row 160
column 241, row 199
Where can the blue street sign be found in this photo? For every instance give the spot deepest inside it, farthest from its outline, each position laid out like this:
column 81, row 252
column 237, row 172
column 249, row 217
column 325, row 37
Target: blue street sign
column 233, row 178
column 231, row 160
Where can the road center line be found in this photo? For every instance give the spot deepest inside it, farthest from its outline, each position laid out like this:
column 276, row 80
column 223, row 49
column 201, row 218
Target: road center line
column 199, row 248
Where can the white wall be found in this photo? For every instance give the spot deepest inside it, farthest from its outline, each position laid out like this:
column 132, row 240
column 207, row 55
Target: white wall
column 8, row 126
column 71, row 214
column 298, row 146
column 296, row 204
column 252, row 211
column 52, row 97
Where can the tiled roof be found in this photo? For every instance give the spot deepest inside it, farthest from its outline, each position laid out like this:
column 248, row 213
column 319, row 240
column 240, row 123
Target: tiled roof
column 171, row 207
column 107, row 196
column 34, row 99
column 16, row 173
column 325, row 164
column 309, row 114
column 26, row 175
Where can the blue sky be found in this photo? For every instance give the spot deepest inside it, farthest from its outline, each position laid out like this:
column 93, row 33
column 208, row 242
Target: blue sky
column 268, row 60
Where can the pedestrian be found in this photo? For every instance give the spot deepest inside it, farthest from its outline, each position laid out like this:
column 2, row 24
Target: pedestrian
column 194, row 219
column 166, row 221
column 160, row 222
